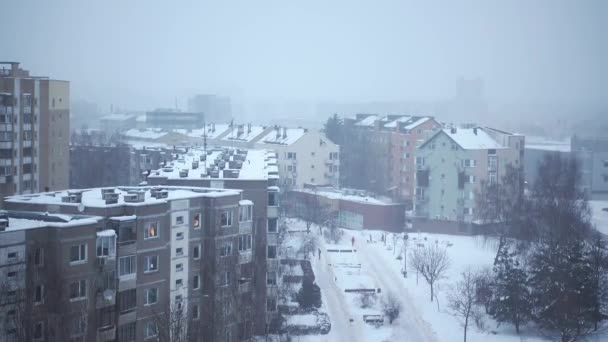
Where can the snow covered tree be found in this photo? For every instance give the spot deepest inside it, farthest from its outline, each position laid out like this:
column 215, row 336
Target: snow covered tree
column 431, row 261
column 511, row 298
column 597, row 257
column 461, row 299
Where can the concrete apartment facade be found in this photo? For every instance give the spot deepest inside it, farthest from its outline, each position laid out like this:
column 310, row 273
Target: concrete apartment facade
column 255, row 174
column 593, row 155
column 304, row 156
column 125, row 262
column 216, row 108
column 34, row 132
column 390, row 141
column 451, row 166
column 170, row 119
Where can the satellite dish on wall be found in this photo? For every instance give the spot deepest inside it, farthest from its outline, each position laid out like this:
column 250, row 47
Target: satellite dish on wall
column 80, row 207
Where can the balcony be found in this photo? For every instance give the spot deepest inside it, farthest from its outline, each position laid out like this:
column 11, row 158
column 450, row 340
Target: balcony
column 244, row 287
column 106, row 333
column 105, row 298
column 245, row 257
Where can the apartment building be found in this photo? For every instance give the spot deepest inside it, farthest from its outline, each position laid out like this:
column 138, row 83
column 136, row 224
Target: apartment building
column 254, row 173
column 390, row 141
column 215, row 107
column 593, row 155
column 105, row 166
column 138, row 263
column 450, row 167
column 304, row 156
column 170, row 119
column 34, row 132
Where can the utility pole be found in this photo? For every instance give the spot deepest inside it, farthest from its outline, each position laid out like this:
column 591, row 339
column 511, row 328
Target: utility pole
column 405, row 238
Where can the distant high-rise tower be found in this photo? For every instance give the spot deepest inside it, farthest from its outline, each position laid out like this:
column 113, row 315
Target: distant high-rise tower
column 216, row 108
column 34, row 132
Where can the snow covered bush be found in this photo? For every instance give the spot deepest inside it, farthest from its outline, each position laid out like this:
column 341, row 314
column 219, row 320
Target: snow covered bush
column 391, row 307
column 309, row 295
column 366, row 300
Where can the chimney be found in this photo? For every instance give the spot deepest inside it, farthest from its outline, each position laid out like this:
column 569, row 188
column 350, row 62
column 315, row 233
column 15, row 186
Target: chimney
column 453, row 130
column 475, row 130
column 284, row 132
column 249, row 128
column 278, row 132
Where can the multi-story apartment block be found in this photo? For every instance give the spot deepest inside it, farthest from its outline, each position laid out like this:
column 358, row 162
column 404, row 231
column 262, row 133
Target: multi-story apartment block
column 139, row 263
column 452, row 164
column 593, row 156
column 34, row 132
column 215, row 107
column 304, row 156
column 104, row 166
column 390, row 141
column 254, row 244
column 170, row 119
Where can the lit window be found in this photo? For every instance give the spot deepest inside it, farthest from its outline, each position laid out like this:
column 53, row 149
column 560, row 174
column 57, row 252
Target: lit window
column 151, row 230
column 197, row 221
column 151, row 263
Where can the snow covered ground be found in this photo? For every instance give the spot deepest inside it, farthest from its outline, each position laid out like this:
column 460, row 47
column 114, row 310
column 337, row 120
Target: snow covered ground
column 419, row 320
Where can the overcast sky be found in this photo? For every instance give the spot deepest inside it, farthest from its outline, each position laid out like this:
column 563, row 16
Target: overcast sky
column 145, row 53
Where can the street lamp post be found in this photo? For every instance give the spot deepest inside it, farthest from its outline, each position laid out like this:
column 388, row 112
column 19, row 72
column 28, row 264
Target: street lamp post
column 405, row 237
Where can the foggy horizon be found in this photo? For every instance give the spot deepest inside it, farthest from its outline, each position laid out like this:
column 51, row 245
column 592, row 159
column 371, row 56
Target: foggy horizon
column 142, row 55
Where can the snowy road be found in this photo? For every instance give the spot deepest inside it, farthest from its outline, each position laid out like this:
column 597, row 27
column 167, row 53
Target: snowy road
column 337, row 308
column 409, row 326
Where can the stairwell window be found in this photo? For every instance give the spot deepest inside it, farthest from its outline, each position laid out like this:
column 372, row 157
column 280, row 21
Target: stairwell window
column 196, row 222
column 226, row 218
column 151, row 296
column 151, row 263
column 78, row 254
column 78, row 290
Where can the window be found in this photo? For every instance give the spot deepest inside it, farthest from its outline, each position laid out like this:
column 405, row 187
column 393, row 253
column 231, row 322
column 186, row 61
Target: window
column 244, row 242
column 312, row 154
column 195, row 312
column 196, row 282
column 469, row 163
column 407, row 156
column 245, row 213
column 105, row 317
column 150, row 329
column 12, row 256
column 179, row 283
column 420, row 161
column 226, row 249
column 291, row 155
column 179, row 267
column 179, row 220
column 6, row 170
column 151, row 296
column 196, row 222
column 151, row 263
column 126, row 265
column 271, row 278
column 271, row 304
column 471, row 179
column 78, row 290
column 127, row 234
column 38, row 331
column 196, row 252
column 151, row 230
column 289, row 168
column 106, row 246
column 333, row 155
column 78, row 326
column 226, row 278
column 39, row 294
column 179, row 251
column 272, row 252
column 127, row 300
column 273, row 199
column 492, row 163
column 468, row 211
column 272, row 225
column 78, row 253
column 492, row 178
column 179, row 236
column 126, row 332
column 39, row 256
column 226, row 218
column 312, row 166
column 12, row 274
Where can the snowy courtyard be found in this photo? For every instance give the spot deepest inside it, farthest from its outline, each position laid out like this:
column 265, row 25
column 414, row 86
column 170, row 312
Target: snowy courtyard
column 346, row 270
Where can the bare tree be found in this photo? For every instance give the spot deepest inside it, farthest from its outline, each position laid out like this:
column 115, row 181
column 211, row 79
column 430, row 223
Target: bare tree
column 309, row 244
column 175, row 324
column 461, row 300
column 309, row 210
column 501, row 206
column 431, row 261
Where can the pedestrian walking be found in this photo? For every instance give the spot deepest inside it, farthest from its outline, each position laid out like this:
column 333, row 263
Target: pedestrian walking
column 353, row 241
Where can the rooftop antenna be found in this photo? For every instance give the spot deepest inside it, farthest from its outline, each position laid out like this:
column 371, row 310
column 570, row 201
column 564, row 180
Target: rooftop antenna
column 205, row 143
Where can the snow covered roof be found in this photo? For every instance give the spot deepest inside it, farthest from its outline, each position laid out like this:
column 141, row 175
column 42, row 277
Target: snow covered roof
column 149, row 133
column 30, row 220
column 469, row 138
column 544, row 144
column 253, row 167
column 348, row 195
column 93, row 197
column 246, row 135
column 368, row 121
column 214, row 131
column 393, row 123
column 283, row 136
column 117, row 117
